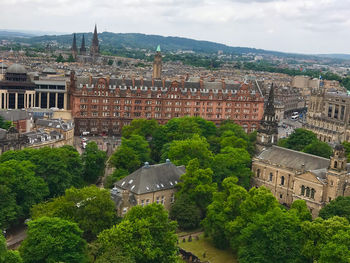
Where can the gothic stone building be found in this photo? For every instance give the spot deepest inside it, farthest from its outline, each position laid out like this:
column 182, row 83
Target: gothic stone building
column 329, row 115
column 104, row 105
column 292, row 175
column 147, row 185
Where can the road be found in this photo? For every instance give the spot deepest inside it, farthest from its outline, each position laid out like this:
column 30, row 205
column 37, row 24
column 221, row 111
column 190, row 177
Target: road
column 290, row 127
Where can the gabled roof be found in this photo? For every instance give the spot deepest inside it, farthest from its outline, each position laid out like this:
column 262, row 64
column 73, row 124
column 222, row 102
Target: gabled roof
column 293, row 159
column 152, row 178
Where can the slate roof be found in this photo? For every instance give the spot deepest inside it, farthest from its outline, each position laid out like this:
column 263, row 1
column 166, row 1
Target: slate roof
column 293, row 159
column 152, row 178
column 55, row 123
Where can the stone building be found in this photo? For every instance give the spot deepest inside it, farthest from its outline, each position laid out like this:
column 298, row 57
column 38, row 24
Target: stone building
column 293, row 175
column 329, row 115
column 17, row 91
column 12, row 140
column 103, row 105
column 147, row 185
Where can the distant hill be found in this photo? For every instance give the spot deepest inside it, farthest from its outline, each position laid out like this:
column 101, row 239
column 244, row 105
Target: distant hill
column 149, row 42
column 143, row 41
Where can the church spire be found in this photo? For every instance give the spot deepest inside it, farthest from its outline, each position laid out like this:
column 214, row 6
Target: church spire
column 94, row 50
column 268, row 130
column 74, row 47
column 83, row 48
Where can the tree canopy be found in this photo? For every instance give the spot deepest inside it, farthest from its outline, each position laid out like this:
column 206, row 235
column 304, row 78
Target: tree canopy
column 306, row 141
column 93, row 162
column 52, row 239
column 90, row 207
column 145, row 234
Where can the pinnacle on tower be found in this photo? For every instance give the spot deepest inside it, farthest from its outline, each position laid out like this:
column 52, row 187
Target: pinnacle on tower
column 95, row 38
column 83, row 48
column 74, row 47
column 270, row 107
column 74, row 44
column 158, row 48
column 95, row 49
column 268, row 130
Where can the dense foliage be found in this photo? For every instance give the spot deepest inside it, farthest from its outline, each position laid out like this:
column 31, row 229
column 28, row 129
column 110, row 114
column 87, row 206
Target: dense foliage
column 30, row 176
column 90, row 207
column 145, row 234
column 8, row 256
column 306, row 141
column 51, row 239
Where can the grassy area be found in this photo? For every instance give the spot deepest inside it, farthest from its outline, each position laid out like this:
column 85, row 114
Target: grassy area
column 213, row 255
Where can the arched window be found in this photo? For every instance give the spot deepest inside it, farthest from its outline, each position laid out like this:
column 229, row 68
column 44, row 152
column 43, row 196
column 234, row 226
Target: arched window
column 258, row 173
column 313, row 193
column 335, row 164
column 271, row 176
column 282, row 180
column 308, row 191
column 302, row 190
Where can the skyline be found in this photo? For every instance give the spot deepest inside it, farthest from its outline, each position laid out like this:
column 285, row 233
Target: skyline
column 309, row 27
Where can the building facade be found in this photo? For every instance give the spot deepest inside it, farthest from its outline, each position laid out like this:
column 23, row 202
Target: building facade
column 329, row 115
column 104, row 105
column 17, row 91
column 293, row 175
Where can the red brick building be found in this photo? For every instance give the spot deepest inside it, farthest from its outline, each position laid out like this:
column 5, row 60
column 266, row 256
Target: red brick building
column 104, row 105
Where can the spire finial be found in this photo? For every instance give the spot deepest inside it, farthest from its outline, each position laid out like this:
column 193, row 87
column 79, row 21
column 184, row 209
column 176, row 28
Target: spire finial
column 158, row 48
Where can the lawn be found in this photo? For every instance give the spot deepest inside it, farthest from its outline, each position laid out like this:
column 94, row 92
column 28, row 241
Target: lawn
column 213, row 255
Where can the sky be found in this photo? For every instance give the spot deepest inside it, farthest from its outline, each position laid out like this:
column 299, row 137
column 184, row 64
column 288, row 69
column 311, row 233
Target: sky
column 300, row 26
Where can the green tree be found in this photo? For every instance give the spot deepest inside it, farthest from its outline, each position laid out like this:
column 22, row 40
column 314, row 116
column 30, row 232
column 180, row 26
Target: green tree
column 300, row 138
column 70, row 58
column 181, row 152
column 140, row 147
column 90, row 207
column 321, row 235
column 319, row 148
column 5, row 124
column 273, row 237
column 53, row 240
column 60, row 168
column 142, row 127
column 8, row 207
column 185, row 212
column 198, row 185
column 22, row 186
column 125, row 158
column 8, row 256
column 60, row 58
column 300, row 208
column 93, row 162
column 338, row 207
column 258, row 202
column 224, row 209
column 232, row 162
column 145, row 234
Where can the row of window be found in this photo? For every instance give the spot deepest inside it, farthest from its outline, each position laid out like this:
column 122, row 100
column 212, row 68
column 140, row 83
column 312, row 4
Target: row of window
column 308, row 192
column 159, row 200
column 177, row 103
